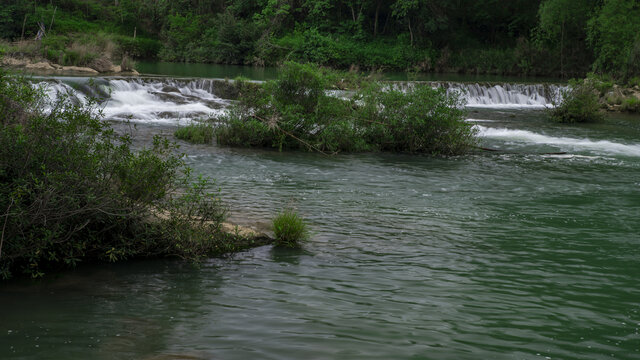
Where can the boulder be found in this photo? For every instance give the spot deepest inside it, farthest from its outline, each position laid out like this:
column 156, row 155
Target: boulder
column 101, row 65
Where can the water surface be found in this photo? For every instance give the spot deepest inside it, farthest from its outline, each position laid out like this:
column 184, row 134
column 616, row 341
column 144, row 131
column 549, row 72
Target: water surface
column 528, row 252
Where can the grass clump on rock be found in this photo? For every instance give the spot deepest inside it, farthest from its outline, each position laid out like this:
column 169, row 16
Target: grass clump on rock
column 72, row 190
column 290, row 229
column 578, row 104
column 195, row 133
column 295, row 112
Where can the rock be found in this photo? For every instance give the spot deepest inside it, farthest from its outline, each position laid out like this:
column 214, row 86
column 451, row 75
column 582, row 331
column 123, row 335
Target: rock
column 101, row 65
column 40, row 66
column 79, row 69
column 116, row 69
column 9, row 61
column 170, row 89
column 242, row 231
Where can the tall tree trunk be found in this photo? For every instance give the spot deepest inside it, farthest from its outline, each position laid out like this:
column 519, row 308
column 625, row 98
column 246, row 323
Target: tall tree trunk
column 386, row 22
column 375, row 23
column 24, row 22
column 410, row 32
column 562, row 50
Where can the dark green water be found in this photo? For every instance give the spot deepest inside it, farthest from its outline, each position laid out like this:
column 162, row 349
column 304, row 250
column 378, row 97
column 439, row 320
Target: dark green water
column 268, row 73
column 506, row 255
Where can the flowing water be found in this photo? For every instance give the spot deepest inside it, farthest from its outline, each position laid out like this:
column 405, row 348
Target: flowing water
column 528, row 252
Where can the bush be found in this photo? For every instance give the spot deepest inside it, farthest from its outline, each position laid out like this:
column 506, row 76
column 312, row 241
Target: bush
column 195, row 133
column 631, row 104
column 72, row 190
column 295, row 112
column 420, row 120
column 602, row 83
column 289, row 229
column 578, row 104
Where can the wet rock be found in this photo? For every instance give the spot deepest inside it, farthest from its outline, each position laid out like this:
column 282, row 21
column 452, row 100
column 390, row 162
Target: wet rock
column 170, row 97
column 170, row 89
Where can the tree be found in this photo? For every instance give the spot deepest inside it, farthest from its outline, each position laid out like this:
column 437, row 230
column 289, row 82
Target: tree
column 563, row 24
column 614, row 34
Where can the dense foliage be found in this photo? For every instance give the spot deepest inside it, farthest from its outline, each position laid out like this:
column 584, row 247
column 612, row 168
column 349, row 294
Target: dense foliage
column 72, row 190
column 295, row 112
column 555, row 37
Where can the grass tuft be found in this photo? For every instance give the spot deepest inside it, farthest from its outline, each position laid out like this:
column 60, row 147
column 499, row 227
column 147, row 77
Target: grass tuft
column 290, row 229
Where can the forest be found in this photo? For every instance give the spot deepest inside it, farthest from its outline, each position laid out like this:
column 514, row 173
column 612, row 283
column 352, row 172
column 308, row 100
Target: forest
column 562, row 38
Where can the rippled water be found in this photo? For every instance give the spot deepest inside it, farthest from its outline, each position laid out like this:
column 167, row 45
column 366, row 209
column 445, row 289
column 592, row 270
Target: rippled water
column 529, row 252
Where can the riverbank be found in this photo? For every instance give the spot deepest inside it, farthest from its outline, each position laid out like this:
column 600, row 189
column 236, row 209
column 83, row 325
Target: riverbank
column 621, row 99
column 45, row 67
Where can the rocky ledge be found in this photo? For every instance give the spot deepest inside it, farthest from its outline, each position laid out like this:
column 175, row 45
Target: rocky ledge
column 99, row 66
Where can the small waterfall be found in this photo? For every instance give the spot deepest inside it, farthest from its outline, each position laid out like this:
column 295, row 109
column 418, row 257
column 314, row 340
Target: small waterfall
column 498, row 95
column 143, row 99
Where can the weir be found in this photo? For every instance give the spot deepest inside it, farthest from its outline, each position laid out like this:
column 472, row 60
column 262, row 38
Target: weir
column 170, row 99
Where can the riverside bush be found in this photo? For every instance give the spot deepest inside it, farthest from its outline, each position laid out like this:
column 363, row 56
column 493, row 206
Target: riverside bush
column 295, row 112
column 73, row 190
column 578, row 104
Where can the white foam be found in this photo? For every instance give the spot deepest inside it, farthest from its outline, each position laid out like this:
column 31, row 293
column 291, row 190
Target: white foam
column 145, row 102
column 565, row 143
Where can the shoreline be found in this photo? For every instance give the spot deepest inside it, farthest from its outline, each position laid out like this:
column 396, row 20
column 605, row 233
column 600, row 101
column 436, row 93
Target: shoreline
column 45, row 67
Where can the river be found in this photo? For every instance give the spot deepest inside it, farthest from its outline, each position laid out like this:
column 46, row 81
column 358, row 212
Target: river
column 515, row 254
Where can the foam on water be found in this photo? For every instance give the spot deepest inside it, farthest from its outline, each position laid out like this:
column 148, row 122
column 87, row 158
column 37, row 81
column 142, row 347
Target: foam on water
column 144, row 100
column 564, row 143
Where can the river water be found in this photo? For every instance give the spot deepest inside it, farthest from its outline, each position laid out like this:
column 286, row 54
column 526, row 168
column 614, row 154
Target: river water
column 521, row 253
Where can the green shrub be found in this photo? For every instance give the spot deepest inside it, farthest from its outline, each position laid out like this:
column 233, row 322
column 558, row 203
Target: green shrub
column 195, row 133
column 289, row 229
column 631, row 104
column 602, row 83
column 420, row 120
column 577, row 104
column 295, row 112
column 73, row 190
